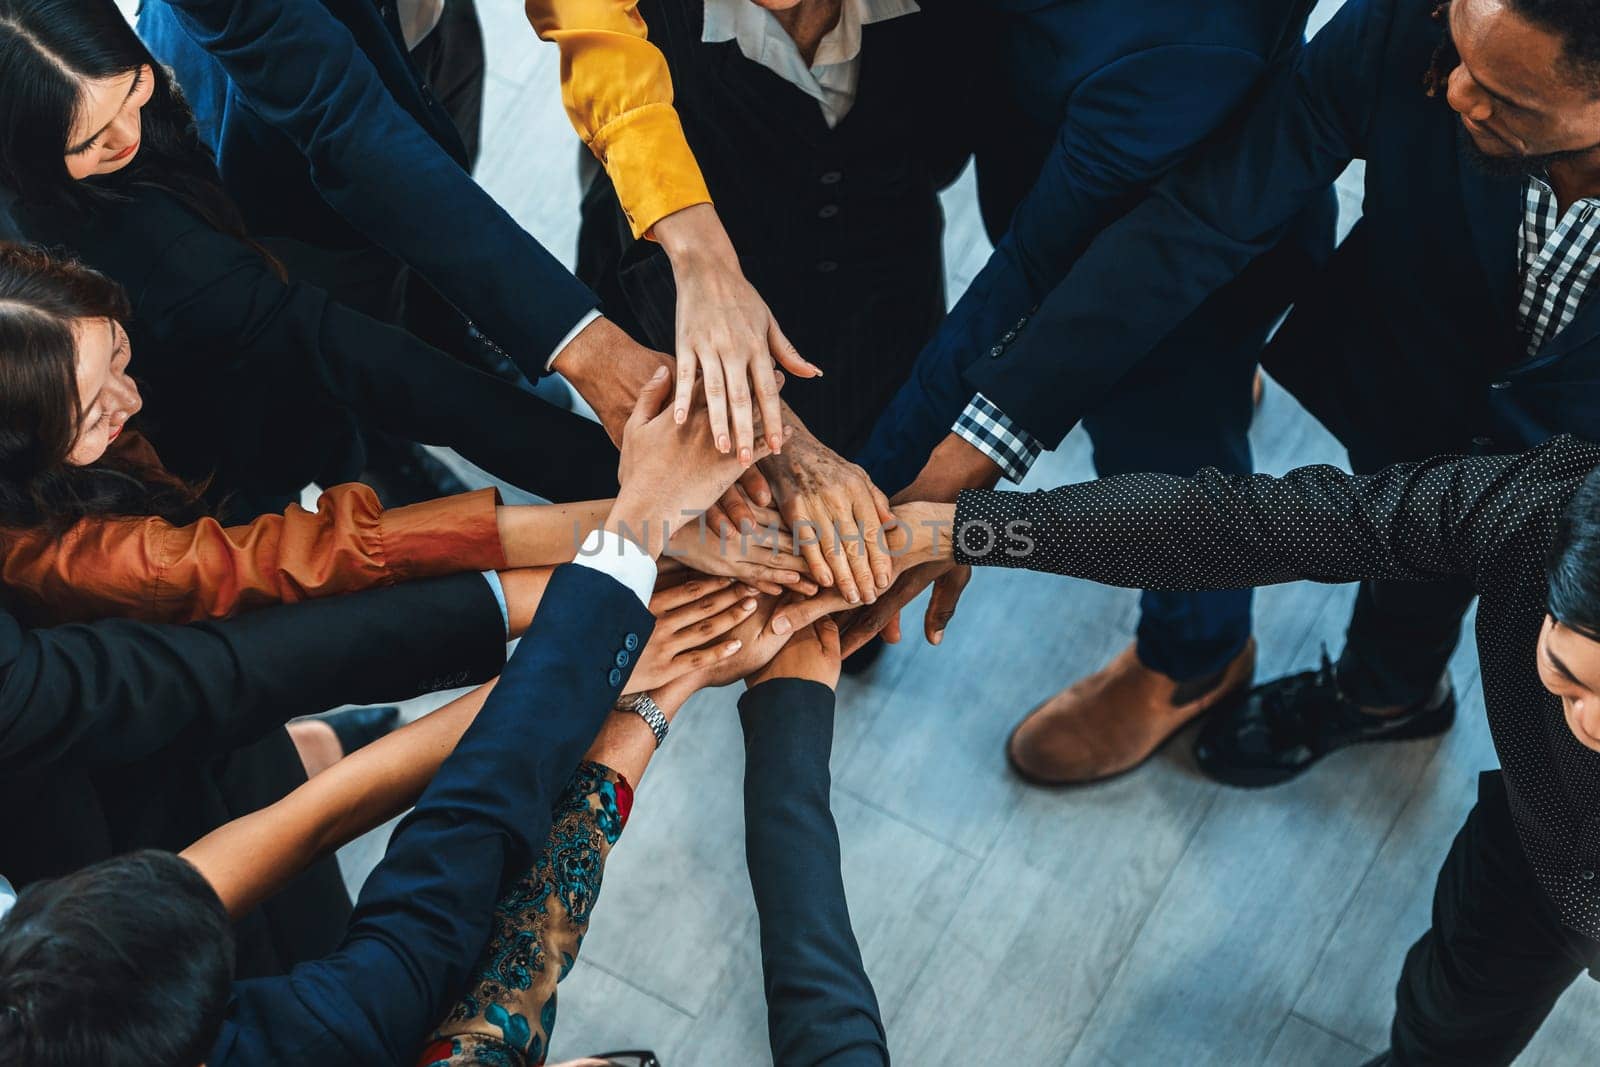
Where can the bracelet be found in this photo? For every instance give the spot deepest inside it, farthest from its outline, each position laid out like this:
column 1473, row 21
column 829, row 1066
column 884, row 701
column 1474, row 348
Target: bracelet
column 644, row 706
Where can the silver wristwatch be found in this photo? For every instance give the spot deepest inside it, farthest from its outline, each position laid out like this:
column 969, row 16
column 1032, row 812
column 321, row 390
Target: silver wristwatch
column 643, row 706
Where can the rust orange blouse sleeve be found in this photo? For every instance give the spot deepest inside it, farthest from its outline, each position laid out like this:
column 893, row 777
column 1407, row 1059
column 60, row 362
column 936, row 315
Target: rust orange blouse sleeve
column 148, row 569
column 618, row 93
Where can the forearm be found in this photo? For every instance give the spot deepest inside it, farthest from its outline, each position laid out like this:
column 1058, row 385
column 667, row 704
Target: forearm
column 547, row 534
column 251, row 858
column 1215, row 531
column 626, row 743
column 820, row 1004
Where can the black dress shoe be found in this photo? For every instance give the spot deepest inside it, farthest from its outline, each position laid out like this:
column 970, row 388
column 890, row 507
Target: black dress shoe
column 358, row 727
column 1278, row 730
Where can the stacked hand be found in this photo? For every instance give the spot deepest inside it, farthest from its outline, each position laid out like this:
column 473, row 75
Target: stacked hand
column 669, row 472
column 693, row 620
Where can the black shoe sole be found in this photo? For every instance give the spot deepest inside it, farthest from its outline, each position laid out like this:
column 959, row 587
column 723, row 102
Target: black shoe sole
column 1428, row 724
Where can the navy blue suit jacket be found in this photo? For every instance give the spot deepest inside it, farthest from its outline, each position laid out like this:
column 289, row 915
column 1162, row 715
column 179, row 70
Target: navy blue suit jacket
column 820, row 1005
column 1130, row 91
column 425, row 913
column 1408, row 346
column 322, row 126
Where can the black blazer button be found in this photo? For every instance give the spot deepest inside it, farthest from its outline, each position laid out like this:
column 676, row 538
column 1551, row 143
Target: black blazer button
column 622, row 657
column 615, row 677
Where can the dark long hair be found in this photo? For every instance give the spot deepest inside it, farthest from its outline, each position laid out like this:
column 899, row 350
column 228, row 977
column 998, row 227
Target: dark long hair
column 46, row 47
column 41, row 297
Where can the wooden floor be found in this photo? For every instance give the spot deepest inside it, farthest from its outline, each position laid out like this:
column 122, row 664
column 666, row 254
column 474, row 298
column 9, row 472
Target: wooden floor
column 1158, row 920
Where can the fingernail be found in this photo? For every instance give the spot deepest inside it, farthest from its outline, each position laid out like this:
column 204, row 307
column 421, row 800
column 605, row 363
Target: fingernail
column 722, row 444
column 747, row 591
column 661, row 372
column 883, row 580
column 853, row 597
column 938, row 636
column 744, row 456
column 679, row 415
column 734, row 646
column 747, row 605
column 780, row 625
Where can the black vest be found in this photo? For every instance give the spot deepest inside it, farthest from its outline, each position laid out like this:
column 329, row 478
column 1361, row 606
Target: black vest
column 840, row 229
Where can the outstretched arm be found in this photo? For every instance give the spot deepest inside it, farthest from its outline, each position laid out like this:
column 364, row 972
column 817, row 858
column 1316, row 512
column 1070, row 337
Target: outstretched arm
column 821, row 1008
column 303, row 73
column 1415, row 521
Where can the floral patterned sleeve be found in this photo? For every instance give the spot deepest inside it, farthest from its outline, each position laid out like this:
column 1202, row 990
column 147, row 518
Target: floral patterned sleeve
column 507, row 1015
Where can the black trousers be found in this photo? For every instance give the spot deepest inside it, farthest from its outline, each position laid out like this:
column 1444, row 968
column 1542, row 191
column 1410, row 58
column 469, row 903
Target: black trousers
column 1401, row 634
column 1479, row 983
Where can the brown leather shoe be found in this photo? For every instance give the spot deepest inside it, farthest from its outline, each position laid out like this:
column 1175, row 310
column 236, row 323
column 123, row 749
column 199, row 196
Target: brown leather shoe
column 1115, row 719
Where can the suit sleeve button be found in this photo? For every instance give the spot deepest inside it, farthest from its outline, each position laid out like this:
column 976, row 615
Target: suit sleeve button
column 631, row 642
column 622, row 657
column 615, row 677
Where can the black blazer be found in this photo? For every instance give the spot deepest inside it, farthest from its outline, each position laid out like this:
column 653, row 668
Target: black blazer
column 1408, row 346
column 266, row 384
column 325, row 131
column 118, row 735
column 820, row 1005
column 426, row 912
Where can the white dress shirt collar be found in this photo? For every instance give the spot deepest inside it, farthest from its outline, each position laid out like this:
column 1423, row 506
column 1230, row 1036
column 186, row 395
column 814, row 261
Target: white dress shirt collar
column 833, row 75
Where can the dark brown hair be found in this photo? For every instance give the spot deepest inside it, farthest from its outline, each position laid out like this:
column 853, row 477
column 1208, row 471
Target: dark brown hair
column 41, row 297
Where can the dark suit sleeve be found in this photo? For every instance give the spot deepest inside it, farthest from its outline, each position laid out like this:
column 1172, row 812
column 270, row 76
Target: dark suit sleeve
column 117, row 692
column 1198, row 229
column 820, row 1005
column 1410, row 522
column 208, row 293
column 302, row 73
column 1126, row 125
column 424, row 915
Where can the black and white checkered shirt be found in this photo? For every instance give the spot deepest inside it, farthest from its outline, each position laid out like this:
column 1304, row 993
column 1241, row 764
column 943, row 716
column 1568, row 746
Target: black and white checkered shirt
column 1556, row 256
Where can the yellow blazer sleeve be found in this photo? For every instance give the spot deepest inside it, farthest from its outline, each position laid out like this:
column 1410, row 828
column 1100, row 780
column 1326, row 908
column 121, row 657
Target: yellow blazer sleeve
column 618, row 93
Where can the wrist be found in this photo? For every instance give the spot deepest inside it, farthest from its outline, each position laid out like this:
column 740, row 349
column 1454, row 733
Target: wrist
column 637, row 524
column 694, row 237
column 955, row 465
column 608, row 368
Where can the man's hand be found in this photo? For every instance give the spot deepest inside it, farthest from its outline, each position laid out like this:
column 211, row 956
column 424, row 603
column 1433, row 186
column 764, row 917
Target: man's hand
column 608, row 368
column 727, row 332
column 812, row 653
column 836, row 516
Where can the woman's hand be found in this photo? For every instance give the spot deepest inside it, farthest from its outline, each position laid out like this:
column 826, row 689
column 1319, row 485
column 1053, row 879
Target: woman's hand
column 836, row 515
column 761, row 553
column 726, row 332
column 812, row 653
column 693, row 620
column 668, row 472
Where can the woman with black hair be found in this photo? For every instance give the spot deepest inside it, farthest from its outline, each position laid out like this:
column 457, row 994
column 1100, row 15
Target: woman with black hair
column 93, row 525
column 255, row 381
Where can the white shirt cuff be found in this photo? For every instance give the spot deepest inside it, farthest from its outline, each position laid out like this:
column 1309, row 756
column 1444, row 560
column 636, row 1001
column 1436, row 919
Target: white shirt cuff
column 620, row 558
column 571, row 336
